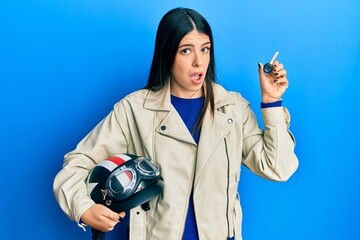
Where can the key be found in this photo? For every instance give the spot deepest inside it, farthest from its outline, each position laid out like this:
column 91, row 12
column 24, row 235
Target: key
column 268, row 67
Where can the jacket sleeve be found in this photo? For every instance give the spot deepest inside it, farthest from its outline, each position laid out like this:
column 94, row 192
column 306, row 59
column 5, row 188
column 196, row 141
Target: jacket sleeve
column 269, row 152
column 106, row 139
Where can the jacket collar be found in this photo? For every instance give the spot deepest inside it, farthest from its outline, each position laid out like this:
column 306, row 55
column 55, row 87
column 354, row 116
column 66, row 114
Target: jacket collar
column 159, row 100
column 222, row 97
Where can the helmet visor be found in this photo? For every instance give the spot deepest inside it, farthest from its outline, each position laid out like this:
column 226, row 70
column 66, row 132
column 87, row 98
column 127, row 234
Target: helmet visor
column 122, row 182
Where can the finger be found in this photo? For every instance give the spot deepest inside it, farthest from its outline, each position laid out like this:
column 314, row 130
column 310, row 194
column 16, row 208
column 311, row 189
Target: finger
column 121, row 216
column 113, row 219
column 276, row 62
column 112, row 216
column 106, row 212
column 100, row 217
column 260, row 69
column 280, row 74
column 282, row 81
column 278, row 66
column 109, row 224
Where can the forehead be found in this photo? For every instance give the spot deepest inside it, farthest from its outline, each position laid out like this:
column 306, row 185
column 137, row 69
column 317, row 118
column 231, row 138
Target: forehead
column 195, row 37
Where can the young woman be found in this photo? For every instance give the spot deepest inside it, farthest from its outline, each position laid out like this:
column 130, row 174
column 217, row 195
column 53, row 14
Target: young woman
column 199, row 134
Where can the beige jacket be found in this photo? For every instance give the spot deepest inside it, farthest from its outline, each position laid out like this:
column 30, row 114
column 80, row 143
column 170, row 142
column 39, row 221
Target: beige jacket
column 145, row 123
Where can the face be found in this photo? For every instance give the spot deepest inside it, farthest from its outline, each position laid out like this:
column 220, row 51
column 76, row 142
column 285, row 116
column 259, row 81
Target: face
column 190, row 65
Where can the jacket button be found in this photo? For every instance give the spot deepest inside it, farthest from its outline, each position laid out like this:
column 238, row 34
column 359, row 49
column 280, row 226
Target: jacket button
column 230, row 121
column 163, row 128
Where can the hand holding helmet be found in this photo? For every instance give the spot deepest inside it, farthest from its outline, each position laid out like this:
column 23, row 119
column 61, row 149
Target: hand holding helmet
column 101, row 217
column 120, row 182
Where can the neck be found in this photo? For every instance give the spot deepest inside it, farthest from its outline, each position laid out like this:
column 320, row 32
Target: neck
column 188, row 94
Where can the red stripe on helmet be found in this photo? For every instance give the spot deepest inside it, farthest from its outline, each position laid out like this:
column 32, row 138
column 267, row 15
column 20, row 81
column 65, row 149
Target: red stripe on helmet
column 117, row 160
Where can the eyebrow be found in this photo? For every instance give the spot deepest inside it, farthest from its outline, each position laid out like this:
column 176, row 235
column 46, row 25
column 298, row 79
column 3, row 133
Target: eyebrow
column 192, row 45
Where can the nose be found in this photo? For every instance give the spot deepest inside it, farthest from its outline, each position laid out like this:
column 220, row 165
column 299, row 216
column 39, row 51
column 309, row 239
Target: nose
column 197, row 62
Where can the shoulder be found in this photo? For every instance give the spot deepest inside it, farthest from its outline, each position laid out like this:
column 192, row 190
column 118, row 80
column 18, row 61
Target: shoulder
column 224, row 96
column 133, row 99
column 137, row 96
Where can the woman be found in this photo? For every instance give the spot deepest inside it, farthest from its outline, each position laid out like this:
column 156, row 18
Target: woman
column 198, row 132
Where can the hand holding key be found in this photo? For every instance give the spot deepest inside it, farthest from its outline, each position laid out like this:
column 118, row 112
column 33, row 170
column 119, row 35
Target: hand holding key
column 273, row 81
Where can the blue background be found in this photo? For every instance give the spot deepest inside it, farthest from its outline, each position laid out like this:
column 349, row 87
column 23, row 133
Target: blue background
column 64, row 63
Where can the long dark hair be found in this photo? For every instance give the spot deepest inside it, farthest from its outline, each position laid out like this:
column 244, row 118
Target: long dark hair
column 174, row 25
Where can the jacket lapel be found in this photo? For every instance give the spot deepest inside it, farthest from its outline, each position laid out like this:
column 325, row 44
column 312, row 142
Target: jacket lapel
column 214, row 129
column 169, row 122
column 172, row 126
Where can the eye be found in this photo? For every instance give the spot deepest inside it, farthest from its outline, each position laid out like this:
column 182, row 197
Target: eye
column 185, row 51
column 205, row 49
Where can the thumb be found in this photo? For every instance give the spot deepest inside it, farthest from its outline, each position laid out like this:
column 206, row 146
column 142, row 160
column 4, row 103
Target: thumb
column 260, row 69
column 121, row 216
column 108, row 213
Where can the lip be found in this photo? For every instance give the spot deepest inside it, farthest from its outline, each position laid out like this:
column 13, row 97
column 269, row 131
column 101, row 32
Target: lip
column 197, row 77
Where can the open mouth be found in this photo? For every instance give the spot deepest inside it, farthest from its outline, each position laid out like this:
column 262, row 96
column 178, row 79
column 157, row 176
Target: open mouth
column 196, row 77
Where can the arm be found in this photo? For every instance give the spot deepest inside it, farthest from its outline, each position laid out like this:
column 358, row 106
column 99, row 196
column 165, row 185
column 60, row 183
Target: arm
column 69, row 186
column 270, row 153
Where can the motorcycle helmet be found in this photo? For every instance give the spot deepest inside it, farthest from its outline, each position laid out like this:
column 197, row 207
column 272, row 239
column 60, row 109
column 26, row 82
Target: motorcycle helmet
column 124, row 181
